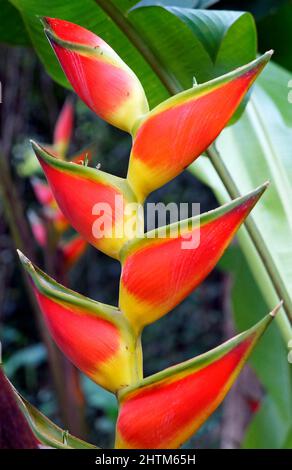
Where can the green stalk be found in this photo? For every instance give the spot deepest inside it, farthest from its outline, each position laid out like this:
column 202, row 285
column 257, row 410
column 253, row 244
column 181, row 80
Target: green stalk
column 253, row 234
column 166, row 77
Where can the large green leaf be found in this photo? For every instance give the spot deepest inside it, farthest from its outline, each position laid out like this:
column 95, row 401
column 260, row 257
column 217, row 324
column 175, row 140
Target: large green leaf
column 12, row 29
column 178, row 3
column 255, row 149
column 288, row 442
column 220, row 40
column 269, row 359
column 158, row 35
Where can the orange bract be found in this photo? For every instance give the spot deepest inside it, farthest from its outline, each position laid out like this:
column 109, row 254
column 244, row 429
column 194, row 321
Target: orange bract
column 165, row 409
column 98, row 75
column 178, row 130
column 177, row 263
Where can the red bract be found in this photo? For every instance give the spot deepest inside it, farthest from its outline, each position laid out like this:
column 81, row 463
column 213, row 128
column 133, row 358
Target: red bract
column 72, row 249
column 64, row 128
column 94, row 336
column 165, row 409
column 177, row 131
column 178, row 262
column 38, row 228
column 98, row 75
column 81, row 192
column 50, row 208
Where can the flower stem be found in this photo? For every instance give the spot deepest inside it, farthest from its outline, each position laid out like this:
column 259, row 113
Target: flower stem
column 259, row 244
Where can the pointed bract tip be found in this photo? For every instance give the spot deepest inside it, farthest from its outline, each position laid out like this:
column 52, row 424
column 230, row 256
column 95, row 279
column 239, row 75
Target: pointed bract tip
column 20, row 254
column 260, row 62
column 33, row 143
column 267, row 55
column 43, row 20
column 38, row 149
column 49, row 33
column 262, row 188
column 274, row 312
column 24, row 260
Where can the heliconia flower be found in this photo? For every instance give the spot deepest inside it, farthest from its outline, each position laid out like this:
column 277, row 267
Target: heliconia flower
column 177, row 258
column 165, row 409
column 64, row 128
column 97, row 74
column 94, row 202
column 177, row 131
column 72, row 250
column 95, row 337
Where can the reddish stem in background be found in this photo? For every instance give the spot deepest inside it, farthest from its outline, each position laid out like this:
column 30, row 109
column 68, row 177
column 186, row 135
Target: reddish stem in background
column 15, row 431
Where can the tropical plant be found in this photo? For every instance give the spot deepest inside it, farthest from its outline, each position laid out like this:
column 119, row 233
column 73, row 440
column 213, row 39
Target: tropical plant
column 158, row 271
column 208, row 44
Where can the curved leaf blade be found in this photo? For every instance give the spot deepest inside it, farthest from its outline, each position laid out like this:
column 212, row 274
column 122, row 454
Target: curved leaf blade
column 221, row 40
column 12, row 27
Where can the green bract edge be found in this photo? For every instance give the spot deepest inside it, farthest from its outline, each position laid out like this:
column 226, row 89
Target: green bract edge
column 52, row 289
column 198, row 220
column 53, row 435
column 205, row 359
column 83, row 171
column 205, row 87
